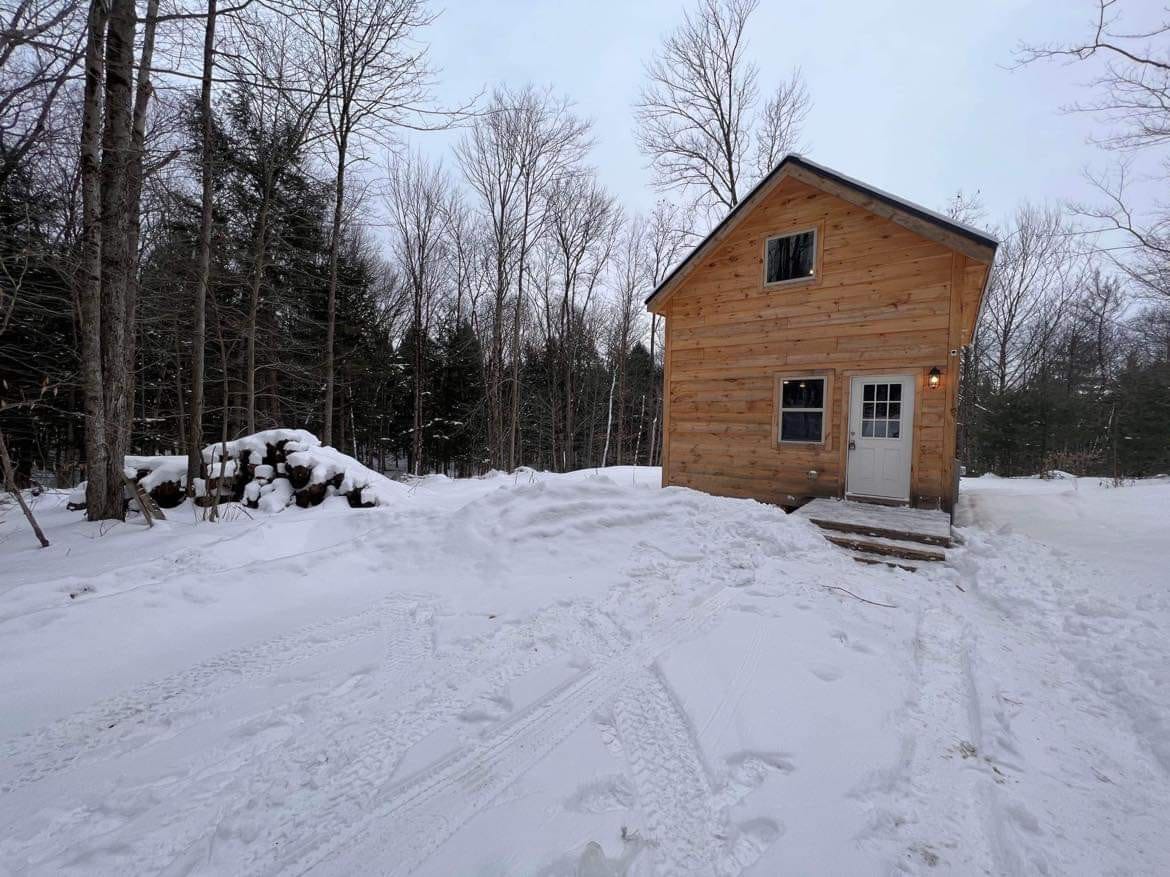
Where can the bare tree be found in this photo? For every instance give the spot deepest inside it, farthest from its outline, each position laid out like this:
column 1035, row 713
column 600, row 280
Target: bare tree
column 694, row 113
column 379, row 81
column 631, row 262
column 203, row 262
column 42, row 43
column 550, row 142
column 781, row 123
column 966, row 207
column 1028, row 294
column 283, row 92
column 582, row 224
column 106, row 292
column 523, row 145
column 491, row 167
column 668, row 233
column 418, row 202
column 1128, row 47
column 1132, row 83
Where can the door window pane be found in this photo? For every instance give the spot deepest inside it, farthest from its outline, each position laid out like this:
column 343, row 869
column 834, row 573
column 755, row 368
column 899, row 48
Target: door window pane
column 881, row 418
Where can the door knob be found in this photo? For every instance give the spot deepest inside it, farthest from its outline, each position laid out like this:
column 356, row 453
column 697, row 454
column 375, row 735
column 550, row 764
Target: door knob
column 852, row 445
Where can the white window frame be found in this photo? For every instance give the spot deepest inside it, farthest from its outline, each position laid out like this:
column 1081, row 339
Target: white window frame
column 805, row 278
column 824, row 410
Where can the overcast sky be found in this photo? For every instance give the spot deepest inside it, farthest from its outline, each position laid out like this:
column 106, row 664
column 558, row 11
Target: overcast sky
column 914, row 96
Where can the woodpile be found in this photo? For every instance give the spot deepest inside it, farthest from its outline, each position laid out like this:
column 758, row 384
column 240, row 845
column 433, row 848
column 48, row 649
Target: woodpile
column 269, row 471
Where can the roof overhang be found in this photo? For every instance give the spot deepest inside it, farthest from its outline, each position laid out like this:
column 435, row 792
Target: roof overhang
column 962, row 238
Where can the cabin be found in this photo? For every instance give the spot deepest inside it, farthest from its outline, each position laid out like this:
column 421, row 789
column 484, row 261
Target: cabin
column 813, row 343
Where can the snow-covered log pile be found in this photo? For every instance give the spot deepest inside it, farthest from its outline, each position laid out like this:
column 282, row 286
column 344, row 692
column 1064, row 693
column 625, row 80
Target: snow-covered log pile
column 268, row 470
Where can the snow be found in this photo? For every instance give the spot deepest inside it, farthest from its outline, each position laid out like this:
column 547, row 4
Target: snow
column 256, row 443
column 585, row 674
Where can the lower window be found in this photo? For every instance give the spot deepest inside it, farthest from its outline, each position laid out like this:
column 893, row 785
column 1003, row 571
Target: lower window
column 802, row 409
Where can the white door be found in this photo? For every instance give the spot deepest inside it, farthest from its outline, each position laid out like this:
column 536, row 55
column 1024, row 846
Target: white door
column 881, row 420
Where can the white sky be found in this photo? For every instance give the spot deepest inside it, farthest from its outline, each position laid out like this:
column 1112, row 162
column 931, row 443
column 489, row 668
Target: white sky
column 913, row 96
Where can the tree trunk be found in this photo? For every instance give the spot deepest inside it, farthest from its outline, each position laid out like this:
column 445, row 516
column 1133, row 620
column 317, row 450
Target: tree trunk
column 115, row 256
column 416, row 437
column 261, row 243
column 609, row 420
column 10, row 483
column 89, row 274
column 621, row 402
column 334, row 247
column 199, row 333
column 142, row 96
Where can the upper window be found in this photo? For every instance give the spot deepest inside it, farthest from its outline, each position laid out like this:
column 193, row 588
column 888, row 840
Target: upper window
column 791, row 257
column 802, row 410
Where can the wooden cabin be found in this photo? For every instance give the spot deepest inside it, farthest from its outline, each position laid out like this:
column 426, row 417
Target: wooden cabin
column 813, row 345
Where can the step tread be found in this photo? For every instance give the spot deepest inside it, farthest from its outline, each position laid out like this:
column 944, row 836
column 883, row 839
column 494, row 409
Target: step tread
column 893, row 522
column 884, row 559
column 909, row 550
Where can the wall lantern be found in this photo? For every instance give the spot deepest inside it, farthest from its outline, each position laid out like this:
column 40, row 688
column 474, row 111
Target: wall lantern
column 934, row 378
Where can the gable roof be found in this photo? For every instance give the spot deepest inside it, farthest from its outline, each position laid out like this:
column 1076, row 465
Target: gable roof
column 976, row 244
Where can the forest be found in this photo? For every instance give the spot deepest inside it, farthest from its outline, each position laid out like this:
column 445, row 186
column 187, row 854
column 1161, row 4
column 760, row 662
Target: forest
column 216, row 219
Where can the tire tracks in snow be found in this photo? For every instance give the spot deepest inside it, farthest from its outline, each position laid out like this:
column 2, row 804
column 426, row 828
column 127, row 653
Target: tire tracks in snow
column 673, row 787
column 686, row 814
column 421, row 812
column 314, row 766
column 173, row 700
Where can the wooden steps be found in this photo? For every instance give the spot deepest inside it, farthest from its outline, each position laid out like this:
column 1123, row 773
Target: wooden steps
column 884, row 560
column 894, row 535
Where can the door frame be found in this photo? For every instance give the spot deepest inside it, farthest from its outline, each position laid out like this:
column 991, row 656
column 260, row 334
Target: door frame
column 915, row 376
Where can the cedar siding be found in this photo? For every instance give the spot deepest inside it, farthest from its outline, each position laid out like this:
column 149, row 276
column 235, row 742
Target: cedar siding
column 884, row 299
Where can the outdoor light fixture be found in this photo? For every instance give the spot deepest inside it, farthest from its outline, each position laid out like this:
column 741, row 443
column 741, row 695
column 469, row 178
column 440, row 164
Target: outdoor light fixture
column 935, row 378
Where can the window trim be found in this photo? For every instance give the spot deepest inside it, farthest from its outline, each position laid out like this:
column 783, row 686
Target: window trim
column 778, row 408
column 815, row 230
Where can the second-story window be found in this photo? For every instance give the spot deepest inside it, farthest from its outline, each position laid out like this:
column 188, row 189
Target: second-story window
column 791, row 257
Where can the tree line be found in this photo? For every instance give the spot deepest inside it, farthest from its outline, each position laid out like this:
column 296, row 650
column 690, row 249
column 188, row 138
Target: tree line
column 215, row 219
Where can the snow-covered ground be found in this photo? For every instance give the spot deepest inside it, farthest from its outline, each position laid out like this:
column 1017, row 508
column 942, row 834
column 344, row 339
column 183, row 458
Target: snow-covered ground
column 585, row 674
